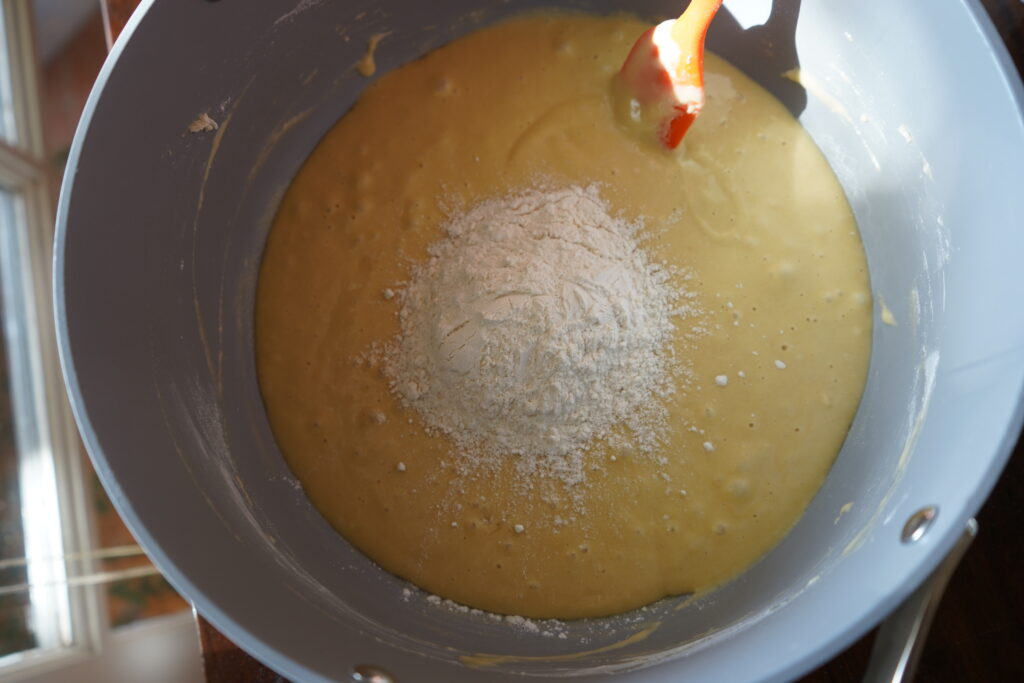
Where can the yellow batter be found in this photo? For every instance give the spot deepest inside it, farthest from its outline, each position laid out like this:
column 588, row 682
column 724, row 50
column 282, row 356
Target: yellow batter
column 750, row 207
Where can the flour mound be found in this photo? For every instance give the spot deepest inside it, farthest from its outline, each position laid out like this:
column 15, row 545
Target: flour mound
column 537, row 326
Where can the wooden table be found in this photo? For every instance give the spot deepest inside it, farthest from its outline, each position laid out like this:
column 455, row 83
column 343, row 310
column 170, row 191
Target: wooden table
column 978, row 633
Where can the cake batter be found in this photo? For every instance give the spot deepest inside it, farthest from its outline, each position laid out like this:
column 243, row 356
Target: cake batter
column 771, row 361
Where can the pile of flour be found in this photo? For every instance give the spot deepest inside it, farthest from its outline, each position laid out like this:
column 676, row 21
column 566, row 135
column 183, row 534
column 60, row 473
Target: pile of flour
column 537, row 326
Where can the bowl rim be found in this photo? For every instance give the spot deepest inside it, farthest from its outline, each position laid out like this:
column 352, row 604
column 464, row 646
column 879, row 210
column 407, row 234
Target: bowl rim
column 854, row 624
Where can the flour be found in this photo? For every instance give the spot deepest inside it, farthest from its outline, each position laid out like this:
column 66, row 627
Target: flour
column 548, row 628
column 537, row 326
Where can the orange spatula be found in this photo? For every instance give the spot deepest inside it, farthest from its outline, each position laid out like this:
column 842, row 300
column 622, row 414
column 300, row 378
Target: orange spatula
column 663, row 76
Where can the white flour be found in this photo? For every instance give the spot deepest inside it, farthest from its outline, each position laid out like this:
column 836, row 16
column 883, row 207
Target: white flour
column 537, row 326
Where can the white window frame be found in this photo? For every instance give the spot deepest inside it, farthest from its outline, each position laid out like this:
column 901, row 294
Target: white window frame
column 69, row 608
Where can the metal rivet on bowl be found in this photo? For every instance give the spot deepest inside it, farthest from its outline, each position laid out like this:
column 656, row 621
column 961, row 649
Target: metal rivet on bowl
column 365, row 673
column 919, row 523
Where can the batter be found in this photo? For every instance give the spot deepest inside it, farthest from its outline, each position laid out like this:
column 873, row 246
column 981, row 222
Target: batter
column 775, row 361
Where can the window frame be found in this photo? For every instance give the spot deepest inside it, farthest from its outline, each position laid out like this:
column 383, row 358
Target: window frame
column 92, row 645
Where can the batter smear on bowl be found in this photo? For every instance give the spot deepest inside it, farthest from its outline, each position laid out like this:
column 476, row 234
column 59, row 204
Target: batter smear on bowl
column 538, row 365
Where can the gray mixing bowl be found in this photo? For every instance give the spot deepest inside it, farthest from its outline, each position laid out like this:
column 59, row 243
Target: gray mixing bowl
column 160, row 232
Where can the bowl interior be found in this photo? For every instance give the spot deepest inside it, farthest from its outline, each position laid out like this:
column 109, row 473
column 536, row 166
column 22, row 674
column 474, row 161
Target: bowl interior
column 160, row 237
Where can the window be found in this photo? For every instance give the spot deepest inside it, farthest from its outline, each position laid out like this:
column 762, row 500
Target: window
column 78, row 598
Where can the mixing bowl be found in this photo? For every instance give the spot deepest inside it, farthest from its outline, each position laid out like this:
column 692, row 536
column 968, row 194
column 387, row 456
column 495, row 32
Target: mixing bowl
column 160, row 232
